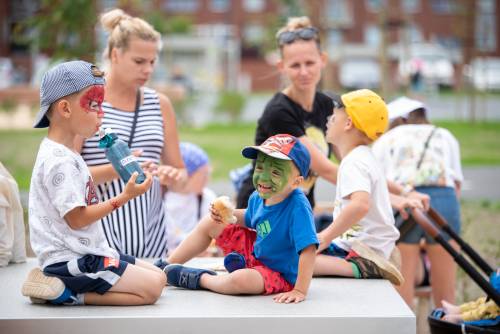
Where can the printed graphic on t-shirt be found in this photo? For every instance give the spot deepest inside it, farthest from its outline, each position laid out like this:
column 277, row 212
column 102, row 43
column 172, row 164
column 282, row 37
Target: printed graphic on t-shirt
column 91, row 196
column 407, row 153
column 316, row 136
column 263, row 228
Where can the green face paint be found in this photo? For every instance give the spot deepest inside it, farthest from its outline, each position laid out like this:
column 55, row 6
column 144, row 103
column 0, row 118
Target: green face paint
column 271, row 175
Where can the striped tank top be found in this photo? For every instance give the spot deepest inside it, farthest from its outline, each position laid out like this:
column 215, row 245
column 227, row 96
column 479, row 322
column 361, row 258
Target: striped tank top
column 137, row 228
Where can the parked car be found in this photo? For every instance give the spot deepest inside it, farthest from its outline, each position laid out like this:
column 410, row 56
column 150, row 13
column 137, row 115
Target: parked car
column 484, row 73
column 436, row 65
column 357, row 72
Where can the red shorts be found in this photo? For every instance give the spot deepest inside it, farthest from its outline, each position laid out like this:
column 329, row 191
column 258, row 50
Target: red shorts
column 235, row 238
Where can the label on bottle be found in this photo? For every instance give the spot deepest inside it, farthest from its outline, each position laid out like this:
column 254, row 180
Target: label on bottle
column 127, row 160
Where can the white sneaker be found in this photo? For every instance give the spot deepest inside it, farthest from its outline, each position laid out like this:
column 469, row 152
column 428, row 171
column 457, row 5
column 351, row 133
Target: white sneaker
column 41, row 288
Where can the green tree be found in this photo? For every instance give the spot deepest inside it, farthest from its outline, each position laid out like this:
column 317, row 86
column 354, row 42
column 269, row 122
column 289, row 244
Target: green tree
column 62, row 28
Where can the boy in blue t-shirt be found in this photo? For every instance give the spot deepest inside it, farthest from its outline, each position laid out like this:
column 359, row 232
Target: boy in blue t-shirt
column 271, row 247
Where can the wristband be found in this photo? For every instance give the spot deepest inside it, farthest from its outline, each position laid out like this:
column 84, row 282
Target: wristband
column 115, row 204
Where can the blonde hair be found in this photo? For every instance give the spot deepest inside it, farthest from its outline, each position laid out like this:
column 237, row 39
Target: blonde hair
column 122, row 27
column 295, row 23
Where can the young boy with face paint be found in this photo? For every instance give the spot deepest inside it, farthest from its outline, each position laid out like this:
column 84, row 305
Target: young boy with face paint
column 78, row 265
column 271, row 247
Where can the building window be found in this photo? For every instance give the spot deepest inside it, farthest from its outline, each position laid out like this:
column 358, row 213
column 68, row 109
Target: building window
column 219, row 6
column 444, row 6
column 338, row 13
column 375, row 5
column 334, row 37
column 411, row 6
column 486, row 29
column 414, row 33
column 373, row 36
column 180, row 6
column 254, row 6
column 253, row 34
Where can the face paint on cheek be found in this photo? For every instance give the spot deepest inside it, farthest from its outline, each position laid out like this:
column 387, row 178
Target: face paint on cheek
column 265, row 179
column 92, row 99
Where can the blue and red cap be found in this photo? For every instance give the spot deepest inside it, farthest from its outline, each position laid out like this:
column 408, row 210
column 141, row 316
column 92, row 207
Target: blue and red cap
column 285, row 147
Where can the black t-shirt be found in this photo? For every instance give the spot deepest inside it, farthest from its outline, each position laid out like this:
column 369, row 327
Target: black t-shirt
column 283, row 115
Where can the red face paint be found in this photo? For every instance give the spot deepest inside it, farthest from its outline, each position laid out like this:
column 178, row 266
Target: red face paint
column 92, row 100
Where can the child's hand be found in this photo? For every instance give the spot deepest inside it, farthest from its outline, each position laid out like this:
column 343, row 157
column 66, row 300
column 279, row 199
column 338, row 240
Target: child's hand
column 401, row 203
column 133, row 190
column 294, row 296
column 324, row 242
column 214, row 214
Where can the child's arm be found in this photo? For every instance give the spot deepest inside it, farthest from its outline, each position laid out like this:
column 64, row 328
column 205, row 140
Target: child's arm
column 82, row 216
column 351, row 214
column 305, row 272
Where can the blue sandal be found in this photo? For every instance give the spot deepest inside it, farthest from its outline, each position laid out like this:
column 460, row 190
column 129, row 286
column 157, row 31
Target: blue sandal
column 185, row 277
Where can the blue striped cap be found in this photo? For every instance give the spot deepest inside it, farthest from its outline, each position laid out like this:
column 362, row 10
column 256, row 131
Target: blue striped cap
column 62, row 80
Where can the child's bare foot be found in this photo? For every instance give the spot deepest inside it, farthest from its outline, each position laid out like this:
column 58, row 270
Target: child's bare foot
column 449, row 308
column 453, row 318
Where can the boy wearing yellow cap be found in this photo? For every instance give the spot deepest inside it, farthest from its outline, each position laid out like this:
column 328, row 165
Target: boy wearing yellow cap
column 362, row 236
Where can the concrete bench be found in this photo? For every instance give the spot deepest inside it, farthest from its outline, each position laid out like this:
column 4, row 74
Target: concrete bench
column 333, row 305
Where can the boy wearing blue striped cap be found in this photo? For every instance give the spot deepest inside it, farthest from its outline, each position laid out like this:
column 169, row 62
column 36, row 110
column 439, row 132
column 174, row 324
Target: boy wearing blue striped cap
column 78, row 265
column 270, row 246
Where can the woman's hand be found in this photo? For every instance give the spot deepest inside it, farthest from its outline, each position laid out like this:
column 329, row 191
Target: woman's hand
column 169, row 175
column 424, row 199
column 294, row 296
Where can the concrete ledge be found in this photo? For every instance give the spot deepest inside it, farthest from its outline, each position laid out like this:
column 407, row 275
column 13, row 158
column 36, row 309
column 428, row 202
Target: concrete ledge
column 333, row 305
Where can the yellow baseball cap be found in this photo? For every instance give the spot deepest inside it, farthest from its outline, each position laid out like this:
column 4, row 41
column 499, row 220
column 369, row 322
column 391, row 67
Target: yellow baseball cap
column 367, row 111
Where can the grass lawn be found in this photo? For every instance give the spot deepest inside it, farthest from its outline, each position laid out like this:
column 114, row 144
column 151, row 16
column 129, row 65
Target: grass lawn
column 223, row 143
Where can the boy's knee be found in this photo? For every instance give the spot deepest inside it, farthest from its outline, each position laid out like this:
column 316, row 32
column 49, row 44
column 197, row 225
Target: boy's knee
column 155, row 288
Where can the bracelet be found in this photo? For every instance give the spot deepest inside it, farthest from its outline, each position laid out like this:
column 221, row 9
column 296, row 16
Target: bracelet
column 115, row 204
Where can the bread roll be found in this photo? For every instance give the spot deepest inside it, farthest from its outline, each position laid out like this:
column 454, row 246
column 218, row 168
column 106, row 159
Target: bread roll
column 225, row 209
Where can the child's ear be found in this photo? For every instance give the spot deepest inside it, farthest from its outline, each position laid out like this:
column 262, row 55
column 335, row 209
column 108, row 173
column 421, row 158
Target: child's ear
column 349, row 124
column 297, row 181
column 63, row 108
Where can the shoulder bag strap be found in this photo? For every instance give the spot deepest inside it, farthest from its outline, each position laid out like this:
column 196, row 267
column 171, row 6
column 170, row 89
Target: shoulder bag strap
column 426, row 145
column 136, row 112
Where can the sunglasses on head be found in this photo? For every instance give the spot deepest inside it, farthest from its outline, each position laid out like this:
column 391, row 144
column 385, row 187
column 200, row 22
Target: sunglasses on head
column 306, row 34
column 337, row 104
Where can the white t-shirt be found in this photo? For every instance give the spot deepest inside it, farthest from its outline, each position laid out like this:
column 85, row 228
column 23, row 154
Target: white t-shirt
column 360, row 171
column 182, row 214
column 400, row 149
column 61, row 182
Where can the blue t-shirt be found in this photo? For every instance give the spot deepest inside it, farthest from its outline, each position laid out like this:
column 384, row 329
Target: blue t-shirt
column 283, row 231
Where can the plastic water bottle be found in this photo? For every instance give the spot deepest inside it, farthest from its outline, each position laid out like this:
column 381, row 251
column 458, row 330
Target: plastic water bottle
column 119, row 155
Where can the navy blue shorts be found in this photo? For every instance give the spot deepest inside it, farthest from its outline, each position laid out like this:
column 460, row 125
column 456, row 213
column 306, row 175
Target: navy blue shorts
column 91, row 273
column 444, row 201
column 334, row 250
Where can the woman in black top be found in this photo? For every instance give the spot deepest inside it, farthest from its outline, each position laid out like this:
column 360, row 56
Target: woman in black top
column 302, row 111
column 299, row 109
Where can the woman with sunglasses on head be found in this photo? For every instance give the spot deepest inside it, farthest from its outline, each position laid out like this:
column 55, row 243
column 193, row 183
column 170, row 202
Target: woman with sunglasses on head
column 144, row 118
column 302, row 111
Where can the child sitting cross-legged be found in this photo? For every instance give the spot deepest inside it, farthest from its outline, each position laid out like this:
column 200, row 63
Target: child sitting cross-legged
column 270, row 246
column 360, row 240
